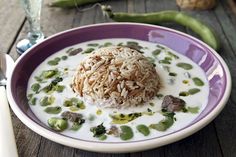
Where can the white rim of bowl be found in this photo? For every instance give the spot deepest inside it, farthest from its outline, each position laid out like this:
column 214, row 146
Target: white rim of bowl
column 124, row 147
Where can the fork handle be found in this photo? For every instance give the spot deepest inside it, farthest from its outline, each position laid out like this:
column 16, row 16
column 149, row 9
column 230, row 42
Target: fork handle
column 7, row 138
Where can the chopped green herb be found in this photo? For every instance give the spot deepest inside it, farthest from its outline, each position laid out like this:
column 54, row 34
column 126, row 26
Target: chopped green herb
column 198, row 82
column 172, row 74
column 80, row 104
column 159, row 96
column 47, row 100
column 149, row 110
column 89, row 50
column 151, row 104
column 98, row 130
column 156, row 52
column 168, row 58
column 57, row 59
column 107, row 44
column 53, row 110
column 59, row 88
column 29, row 96
column 52, row 62
column 57, row 124
column 164, row 62
column 184, row 66
column 74, row 52
column 67, row 103
column 93, row 44
column 53, row 86
column 134, row 45
column 64, row 57
column 35, row 87
column 69, row 50
column 183, row 93
column 193, row 91
column 143, row 129
column 126, row 132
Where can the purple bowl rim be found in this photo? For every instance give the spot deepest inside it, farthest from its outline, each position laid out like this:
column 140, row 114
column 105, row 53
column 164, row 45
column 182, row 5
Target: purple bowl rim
column 206, row 47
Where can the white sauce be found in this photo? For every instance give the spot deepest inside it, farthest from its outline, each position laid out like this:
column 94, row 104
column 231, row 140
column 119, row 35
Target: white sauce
column 182, row 119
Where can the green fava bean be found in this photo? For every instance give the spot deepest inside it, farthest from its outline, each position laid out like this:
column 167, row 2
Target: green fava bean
column 193, row 91
column 126, row 133
column 89, row 50
column 49, row 73
column 103, row 137
column 45, row 101
column 198, row 82
column 35, row 87
column 143, row 129
column 64, row 57
column 184, row 66
column 57, row 124
column 76, row 126
column 193, row 109
column 32, row 101
column 156, row 52
column 53, row 110
column 52, row 62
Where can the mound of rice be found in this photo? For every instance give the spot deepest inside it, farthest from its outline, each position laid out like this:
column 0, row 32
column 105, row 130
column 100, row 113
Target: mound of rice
column 116, row 77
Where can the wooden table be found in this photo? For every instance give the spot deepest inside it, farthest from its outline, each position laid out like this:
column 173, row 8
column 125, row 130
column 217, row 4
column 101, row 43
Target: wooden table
column 218, row 139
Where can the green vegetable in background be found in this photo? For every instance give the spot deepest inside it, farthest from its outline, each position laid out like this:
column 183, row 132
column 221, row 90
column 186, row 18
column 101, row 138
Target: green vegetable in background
column 207, row 35
column 72, row 3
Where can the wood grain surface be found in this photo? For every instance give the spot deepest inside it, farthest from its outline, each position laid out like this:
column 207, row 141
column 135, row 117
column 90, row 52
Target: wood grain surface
column 218, row 139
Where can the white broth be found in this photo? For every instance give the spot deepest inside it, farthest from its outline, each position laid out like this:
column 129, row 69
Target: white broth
column 186, row 81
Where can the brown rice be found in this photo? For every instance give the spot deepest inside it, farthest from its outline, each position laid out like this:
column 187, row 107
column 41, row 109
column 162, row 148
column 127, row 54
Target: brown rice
column 116, row 77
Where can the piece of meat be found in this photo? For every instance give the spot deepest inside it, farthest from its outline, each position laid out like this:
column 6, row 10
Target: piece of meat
column 73, row 117
column 172, row 104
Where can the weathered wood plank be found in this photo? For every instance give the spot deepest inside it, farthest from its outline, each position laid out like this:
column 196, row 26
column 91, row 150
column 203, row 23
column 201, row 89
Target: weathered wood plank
column 203, row 143
column 227, row 25
column 11, row 19
column 80, row 153
column 230, row 8
column 27, row 142
column 160, row 5
column 52, row 149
